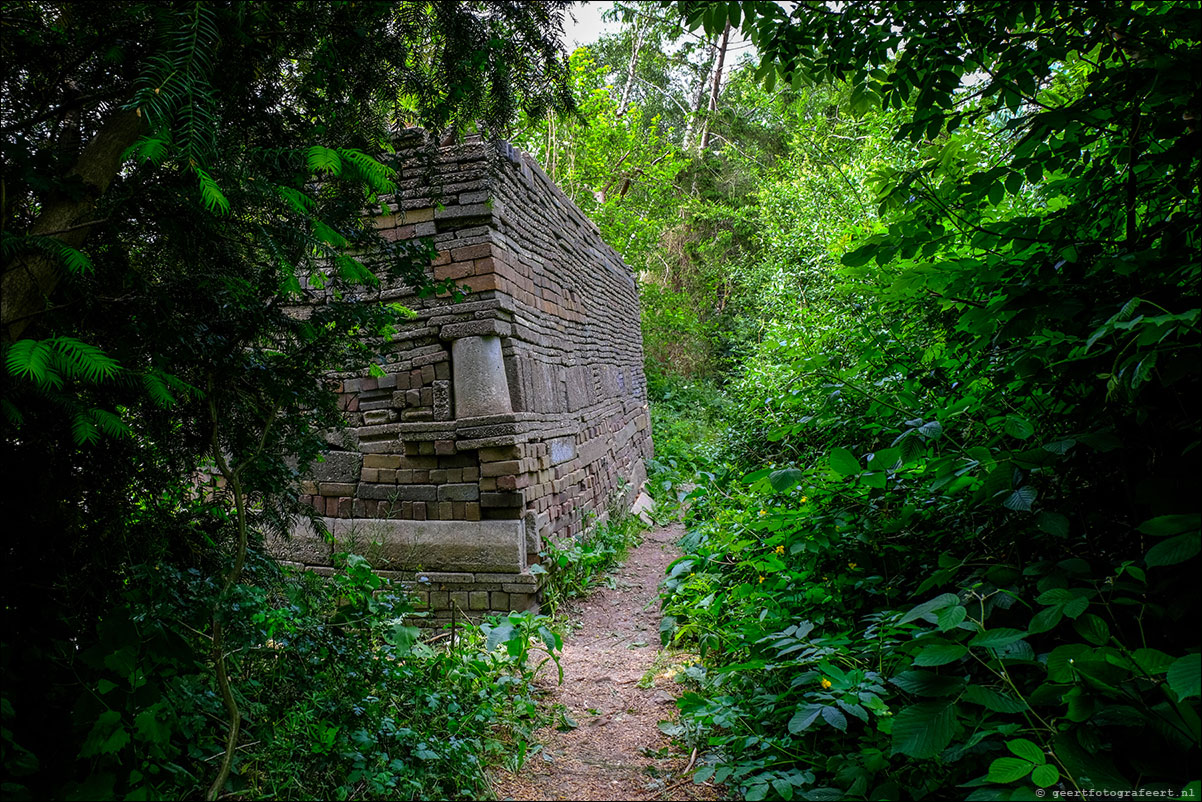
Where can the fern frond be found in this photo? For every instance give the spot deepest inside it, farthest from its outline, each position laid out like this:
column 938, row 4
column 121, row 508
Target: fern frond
column 83, row 431
column 76, row 262
column 353, row 271
column 76, row 359
column 11, row 412
column 290, row 285
column 10, row 245
column 151, row 149
column 329, row 235
column 377, row 175
column 33, row 360
column 110, row 423
column 297, row 200
column 323, row 160
column 210, row 194
column 158, row 390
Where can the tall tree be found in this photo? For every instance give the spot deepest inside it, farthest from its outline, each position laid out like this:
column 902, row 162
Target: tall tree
column 178, row 178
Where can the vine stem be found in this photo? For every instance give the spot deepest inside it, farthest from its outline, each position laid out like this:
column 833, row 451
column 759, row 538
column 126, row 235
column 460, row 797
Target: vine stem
column 233, row 478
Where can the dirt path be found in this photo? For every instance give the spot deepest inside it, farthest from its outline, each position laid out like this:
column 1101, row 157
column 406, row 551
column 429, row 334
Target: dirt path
column 616, row 751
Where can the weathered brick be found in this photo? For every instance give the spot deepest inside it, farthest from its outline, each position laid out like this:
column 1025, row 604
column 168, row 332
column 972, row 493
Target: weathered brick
column 566, row 311
column 501, row 500
column 500, row 468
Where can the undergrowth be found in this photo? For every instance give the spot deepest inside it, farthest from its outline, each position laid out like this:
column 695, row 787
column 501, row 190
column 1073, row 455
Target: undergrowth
column 342, row 698
column 574, row 566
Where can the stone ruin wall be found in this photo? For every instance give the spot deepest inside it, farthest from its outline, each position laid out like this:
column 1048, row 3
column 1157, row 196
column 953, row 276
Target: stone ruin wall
column 514, row 416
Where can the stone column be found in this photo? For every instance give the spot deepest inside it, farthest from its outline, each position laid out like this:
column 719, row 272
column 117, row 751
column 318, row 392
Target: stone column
column 478, row 377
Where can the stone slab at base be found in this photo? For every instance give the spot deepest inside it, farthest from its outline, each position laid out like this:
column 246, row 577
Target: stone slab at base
column 481, row 565
column 450, row 546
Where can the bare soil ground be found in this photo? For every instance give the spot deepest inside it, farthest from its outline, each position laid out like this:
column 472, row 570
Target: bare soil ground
column 616, row 751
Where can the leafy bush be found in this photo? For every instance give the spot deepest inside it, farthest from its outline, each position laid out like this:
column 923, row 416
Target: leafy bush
column 341, row 697
column 574, row 566
column 954, row 552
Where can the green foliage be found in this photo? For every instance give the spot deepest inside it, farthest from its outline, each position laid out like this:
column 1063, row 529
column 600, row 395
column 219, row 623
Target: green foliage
column 950, row 547
column 180, row 181
column 343, row 699
column 575, row 566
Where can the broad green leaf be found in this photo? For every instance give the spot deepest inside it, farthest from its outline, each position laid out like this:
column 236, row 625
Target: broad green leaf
column 1167, row 525
column 1021, row 499
column 927, row 683
column 1018, row 427
column 403, row 637
column 929, row 607
column 993, row 700
column 1152, row 661
column 785, row 479
column 499, row 634
column 997, row 638
column 1074, row 608
column 1093, row 628
column 1185, row 676
column 149, row 728
column 1045, row 775
column 1045, row 619
column 924, row 730
column 885, row 459
column 835, row 718
column 1027, row 750
column 1174, row 550
column 1056, row 596
column 861, row 256
column 1009, row 769
column 950, row 617
column 844, row 463
column 1062, row 659
column 1053, row 523
column 804, row 717
column 940, row 654
column 931, row 430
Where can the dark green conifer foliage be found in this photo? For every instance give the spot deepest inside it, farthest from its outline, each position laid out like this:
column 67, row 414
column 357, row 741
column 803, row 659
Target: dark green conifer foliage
column 178, row 180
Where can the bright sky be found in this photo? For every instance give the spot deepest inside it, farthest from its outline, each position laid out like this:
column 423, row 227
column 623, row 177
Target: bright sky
column 588, row 26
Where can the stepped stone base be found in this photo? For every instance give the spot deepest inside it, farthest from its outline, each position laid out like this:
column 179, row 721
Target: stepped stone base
column 509, row 417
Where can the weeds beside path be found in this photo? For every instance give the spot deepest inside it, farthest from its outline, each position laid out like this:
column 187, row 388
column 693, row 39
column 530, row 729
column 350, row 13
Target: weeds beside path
column 604, row 742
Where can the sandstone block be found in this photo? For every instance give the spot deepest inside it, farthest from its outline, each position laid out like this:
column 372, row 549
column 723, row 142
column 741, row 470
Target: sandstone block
column 466, row 491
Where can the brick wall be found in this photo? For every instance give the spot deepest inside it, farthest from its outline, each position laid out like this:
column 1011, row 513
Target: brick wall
column 514, row 415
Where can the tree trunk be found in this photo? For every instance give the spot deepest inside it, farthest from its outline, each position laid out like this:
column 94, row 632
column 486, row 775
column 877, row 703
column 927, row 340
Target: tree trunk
column 639, row 33
column 699, row 98
column 721, row 60
column 31, row 277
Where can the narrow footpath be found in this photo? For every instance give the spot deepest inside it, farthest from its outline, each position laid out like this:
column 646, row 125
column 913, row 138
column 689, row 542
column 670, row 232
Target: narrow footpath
column 605, row 742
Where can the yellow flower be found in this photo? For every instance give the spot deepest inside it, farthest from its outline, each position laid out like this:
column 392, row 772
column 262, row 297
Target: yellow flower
column 780, row 549
column 761, row 579
column 852, row 566
column 826, row 683
column 762, row 513
column 804, row 499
